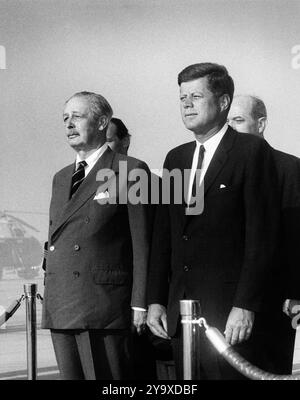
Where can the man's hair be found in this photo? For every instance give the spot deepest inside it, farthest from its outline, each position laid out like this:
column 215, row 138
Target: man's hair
column 98, row 104
column 122, row 131
column 219, row 81
column 258, row 109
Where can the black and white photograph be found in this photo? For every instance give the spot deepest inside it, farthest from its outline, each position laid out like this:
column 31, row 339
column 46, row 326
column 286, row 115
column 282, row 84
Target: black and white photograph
column 150, row 192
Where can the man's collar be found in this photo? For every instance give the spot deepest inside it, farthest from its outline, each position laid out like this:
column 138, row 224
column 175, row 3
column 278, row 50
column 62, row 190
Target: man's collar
column 215, row 139
column 91, row 159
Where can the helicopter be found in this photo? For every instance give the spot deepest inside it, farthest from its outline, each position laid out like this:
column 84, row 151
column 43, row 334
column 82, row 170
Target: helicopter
column 19, row 250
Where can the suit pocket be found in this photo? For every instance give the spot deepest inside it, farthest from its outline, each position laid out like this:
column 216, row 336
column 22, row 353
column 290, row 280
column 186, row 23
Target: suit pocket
column 224, row 191
column 110, row 276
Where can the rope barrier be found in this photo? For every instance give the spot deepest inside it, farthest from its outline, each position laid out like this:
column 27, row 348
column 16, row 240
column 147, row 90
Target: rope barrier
column 236, row 360
column 12, row 308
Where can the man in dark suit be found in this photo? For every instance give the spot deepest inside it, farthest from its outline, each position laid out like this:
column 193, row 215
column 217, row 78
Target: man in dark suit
column 224, row 255
column 249, row 114
column 96, row 266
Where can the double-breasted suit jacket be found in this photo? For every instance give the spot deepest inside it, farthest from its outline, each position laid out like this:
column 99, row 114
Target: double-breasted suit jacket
column 225, row 256
column 97, row 259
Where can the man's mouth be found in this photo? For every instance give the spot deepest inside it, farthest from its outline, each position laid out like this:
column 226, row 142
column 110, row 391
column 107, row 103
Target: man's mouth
column 72, row 135
column 190, row 115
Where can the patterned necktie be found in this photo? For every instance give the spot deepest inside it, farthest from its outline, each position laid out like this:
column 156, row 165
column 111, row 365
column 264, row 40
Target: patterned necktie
column 196, row 182
column 78, row 177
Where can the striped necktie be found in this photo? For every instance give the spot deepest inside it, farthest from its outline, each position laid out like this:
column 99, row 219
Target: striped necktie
column 78, row 177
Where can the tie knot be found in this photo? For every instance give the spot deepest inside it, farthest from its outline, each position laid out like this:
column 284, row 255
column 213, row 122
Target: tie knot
column 81, row 165
column 202, row 149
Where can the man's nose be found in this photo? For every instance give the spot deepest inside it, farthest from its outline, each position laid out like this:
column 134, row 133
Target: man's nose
column 69, row 123
column 188, row 102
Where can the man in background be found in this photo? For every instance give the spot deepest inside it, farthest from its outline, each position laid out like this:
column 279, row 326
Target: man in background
column 97, row 259
column 117, row 136
column 248, row 114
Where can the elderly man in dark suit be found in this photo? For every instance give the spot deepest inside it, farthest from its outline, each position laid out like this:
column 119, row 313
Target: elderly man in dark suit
column 96, row 266
column 224, row 254
column 249, row 114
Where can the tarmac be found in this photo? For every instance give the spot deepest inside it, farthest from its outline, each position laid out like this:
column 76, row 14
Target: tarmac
column 13, row 355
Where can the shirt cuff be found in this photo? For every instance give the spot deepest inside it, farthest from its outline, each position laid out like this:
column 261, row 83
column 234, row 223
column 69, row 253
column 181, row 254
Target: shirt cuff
column 138, row 308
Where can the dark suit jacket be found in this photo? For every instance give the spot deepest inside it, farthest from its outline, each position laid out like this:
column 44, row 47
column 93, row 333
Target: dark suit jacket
column 226, row 256
column 97, row 259
column 288, row 168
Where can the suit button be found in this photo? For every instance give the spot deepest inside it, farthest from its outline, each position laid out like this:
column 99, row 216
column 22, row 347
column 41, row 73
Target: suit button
column 185, row 237
column 52, row 248
column 87, row 220
column 185, row 268
column 76, row 274
column 76, row 247
column 50, row 222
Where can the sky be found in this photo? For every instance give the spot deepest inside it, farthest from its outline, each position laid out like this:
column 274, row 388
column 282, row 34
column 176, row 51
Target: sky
column 131, row 52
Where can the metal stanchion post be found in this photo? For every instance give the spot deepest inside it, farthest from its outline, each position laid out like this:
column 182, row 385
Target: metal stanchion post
column 189, row 310
column 30, row 290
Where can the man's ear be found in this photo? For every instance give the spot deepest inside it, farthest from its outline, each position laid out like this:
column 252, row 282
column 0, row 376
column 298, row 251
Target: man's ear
column 126, row 141
column 224, row 102
column 103, row 122
column 261, row 124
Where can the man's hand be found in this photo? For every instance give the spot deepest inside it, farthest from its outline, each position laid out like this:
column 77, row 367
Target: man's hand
column 239, row 325
column 157, row 320
column 139, row 318
column 291, row 307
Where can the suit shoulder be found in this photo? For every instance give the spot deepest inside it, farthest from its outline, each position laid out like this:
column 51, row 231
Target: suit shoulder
column 182, row 148
column 286, row 157
column 62, row 171
column 132, row 162
column 249, row 140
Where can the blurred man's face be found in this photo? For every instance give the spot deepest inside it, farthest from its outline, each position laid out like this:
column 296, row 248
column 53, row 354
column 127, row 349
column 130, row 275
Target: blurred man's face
column 200, row 108
column 113, row 141
column 240, row 116
column 82, row 129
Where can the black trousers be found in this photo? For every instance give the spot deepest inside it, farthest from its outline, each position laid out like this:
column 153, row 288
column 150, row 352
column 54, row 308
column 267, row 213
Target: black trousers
column 98, row 354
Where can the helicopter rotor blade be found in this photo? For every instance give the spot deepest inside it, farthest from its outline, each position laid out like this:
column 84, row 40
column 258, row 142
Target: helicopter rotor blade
column 23, row 222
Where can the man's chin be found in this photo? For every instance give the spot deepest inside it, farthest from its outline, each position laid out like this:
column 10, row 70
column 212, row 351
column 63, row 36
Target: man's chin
column 74, row 145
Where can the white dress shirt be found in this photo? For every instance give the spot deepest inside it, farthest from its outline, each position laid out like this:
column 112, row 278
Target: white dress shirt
column 210, row 147
column 92, row 159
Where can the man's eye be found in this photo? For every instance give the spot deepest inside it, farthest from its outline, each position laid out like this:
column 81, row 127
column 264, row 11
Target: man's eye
column 182, row 98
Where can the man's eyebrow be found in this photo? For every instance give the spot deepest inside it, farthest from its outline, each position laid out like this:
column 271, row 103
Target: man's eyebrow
column 73, row 112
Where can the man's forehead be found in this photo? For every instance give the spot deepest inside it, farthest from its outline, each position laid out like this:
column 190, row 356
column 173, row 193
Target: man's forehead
column 195, row 84
column 242, row 105
column 77, row 104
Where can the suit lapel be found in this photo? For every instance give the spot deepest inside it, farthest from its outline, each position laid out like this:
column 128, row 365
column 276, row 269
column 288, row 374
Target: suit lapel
column 219, row 159
column 86, row 189
column 217, row 163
